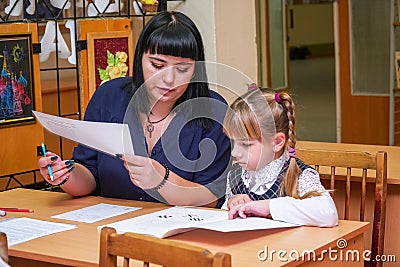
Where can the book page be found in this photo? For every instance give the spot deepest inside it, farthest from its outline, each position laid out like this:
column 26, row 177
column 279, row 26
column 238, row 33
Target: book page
column 249, row 223
column 169, row 221
column 181, row 219
column 109, row 138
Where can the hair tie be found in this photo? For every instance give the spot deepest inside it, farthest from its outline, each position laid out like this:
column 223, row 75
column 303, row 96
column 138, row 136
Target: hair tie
column 292, row 152
column 251, row 86
column 278, row 98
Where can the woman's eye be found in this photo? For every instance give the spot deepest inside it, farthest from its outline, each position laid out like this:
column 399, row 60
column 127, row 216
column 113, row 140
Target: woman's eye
column 182, row 70
column 157, row 66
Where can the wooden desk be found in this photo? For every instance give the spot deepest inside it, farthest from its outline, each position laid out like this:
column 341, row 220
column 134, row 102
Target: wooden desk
column 79, row 247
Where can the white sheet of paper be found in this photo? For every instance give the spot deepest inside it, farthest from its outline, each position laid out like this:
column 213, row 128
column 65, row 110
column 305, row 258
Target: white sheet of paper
column 110, row 138
column 95, row 213
column 20, row 230
column 3, row 263
column 181, row 219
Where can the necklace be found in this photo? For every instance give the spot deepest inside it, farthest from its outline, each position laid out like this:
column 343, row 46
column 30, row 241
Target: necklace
column 150, row 126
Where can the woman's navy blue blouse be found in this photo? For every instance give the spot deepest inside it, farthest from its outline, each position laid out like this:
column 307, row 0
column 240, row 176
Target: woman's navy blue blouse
column 194, row 153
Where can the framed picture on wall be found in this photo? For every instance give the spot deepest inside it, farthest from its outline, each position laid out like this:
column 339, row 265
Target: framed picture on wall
column 397, row 68
column 110, row 55
column 16, row 79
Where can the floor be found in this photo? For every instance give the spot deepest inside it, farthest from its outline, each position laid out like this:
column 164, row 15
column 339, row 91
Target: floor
column 313, row 90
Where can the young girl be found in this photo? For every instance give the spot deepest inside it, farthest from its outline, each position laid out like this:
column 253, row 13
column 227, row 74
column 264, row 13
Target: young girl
column 267, row 179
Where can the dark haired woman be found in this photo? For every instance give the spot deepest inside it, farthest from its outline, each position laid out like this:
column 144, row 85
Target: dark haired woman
column 181, row 155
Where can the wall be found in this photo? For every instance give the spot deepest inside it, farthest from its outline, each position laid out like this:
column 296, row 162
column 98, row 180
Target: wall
column 310, row 23
column 236, row 43
column 235, row 54
column 202, row 13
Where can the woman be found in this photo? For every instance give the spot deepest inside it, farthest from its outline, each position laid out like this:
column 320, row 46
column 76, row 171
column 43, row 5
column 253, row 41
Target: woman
column 172, row 116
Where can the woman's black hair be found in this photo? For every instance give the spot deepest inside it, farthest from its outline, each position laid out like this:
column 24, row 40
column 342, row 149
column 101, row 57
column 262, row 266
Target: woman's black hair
column 174, row 34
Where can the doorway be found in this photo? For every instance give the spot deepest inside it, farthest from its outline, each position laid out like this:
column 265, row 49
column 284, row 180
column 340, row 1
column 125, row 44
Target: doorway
column 312, row 69
column 297, row 54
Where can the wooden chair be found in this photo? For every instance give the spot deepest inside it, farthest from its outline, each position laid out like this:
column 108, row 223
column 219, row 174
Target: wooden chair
column 353, row 166
column 154, row 250
column 3, row 247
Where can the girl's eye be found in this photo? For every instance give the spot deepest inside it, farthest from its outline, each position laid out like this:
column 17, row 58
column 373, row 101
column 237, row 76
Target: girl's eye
column 157, row 66
column 245, row 144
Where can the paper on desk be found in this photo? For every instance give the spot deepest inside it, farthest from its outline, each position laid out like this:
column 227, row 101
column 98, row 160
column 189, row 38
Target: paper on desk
column 3, row 263
column 95, row 213
column 110, row 138
column 20, row 230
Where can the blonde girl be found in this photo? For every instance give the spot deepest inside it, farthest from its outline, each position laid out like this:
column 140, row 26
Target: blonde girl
column 267, row 179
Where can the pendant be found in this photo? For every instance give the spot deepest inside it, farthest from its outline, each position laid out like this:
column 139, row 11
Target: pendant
column 150, row 128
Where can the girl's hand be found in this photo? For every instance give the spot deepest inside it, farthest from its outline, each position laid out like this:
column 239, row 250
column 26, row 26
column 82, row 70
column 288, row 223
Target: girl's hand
column 258, row 208
column 144, row 172
column 237, row 200
column 60, row 169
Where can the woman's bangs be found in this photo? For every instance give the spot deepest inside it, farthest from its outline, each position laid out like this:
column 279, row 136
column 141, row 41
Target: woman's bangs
column 173, row 41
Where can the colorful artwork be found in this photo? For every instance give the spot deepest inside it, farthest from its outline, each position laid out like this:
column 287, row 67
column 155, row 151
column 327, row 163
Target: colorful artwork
column 16, row 97
column 116, row 66
column 110, row 55
column 105, row 49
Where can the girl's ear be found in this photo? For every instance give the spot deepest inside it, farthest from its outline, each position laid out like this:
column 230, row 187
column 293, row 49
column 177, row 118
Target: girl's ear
column 280, row 141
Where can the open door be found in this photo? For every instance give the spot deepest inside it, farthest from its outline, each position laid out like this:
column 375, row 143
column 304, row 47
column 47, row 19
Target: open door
column 272, row 36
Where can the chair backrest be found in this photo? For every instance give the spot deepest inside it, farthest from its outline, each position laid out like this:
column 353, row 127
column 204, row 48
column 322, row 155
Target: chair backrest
column 355, row 166
column 154, row 250
column 3, row 247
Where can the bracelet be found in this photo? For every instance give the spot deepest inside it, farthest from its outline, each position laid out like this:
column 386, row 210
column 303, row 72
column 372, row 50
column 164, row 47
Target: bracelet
column 63, row 182
column 60, row 184
column 162, row 183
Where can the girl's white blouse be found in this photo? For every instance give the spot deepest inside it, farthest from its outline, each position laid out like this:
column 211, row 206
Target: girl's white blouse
column 317, row 211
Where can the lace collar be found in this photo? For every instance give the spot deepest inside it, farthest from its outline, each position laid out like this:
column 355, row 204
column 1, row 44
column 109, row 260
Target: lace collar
column 265, row 175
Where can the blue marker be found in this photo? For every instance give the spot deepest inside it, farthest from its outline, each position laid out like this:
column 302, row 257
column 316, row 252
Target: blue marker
column 48, row 165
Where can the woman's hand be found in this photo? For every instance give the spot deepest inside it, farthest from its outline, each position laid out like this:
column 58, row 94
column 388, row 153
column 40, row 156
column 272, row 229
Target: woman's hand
column 144, row 172
column 258, row 208
column 60, row 169
column 237, row 200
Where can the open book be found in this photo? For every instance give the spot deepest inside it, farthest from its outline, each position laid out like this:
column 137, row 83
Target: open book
column 177, row 220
